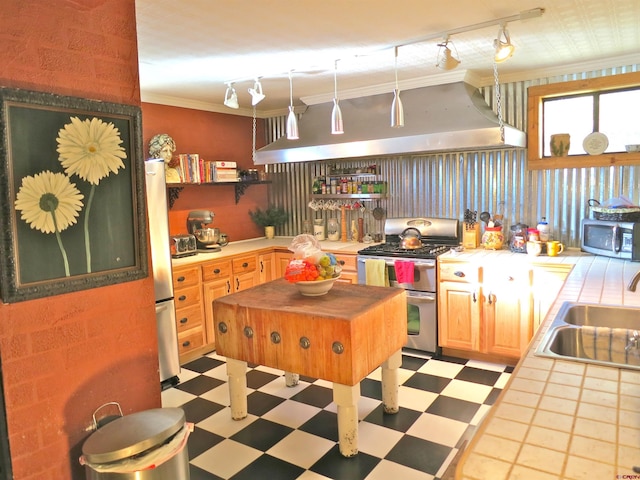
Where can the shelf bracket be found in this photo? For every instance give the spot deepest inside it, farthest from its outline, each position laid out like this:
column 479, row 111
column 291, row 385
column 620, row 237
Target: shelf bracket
column 174, row 193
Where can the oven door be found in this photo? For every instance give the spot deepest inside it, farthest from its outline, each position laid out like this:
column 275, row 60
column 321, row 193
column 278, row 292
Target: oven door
column 422, row 325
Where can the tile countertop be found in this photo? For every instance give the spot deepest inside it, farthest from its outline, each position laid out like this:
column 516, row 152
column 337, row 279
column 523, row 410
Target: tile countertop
column 256, row 244
column 559, row 419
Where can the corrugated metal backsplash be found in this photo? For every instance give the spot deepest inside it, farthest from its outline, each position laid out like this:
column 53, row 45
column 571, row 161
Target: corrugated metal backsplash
column 444, row 185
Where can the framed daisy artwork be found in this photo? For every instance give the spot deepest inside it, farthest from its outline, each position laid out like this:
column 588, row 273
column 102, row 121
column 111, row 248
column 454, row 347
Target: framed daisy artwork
column 72, row 215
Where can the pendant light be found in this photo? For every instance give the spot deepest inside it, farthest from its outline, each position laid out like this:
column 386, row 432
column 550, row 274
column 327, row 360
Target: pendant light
column 337, row 127
column 397, row 111
column 292, row 120
column 503, row 50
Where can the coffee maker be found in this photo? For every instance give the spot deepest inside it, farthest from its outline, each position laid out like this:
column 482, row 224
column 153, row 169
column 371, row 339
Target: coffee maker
column 207, row 238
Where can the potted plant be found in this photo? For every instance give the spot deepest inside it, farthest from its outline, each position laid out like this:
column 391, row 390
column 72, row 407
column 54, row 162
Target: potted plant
column 269, row 219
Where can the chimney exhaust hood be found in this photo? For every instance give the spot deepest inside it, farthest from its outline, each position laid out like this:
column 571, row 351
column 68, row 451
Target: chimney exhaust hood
column 439, row 118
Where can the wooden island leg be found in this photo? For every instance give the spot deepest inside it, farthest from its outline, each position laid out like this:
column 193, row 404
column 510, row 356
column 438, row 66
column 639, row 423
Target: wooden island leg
column 346, row 397
column 237, row 372
column 390, row 384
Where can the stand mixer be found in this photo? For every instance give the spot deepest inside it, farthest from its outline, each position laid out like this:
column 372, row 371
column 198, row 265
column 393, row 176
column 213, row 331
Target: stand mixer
column 207, row 238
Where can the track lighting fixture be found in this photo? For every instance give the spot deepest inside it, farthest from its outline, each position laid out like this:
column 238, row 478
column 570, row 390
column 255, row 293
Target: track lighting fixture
column 337, row 127
column 446, row 60
column 292, row 120
column 231, row 97
column 503, row 50
column 397, row 111
column 256, row 93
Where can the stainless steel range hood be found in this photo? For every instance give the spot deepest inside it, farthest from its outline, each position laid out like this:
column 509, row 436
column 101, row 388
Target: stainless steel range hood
column 439, row 118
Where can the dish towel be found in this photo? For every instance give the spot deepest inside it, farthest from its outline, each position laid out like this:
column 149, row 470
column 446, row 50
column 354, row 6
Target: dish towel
column 376, row 273
column 404, row 271
column 607, row 344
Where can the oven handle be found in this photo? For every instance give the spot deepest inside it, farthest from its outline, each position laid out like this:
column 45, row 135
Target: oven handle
column 416, row 264
column 420, row 298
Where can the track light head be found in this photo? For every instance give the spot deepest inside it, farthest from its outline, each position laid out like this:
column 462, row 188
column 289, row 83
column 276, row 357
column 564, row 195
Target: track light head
column 231, row 97
column 446, row 60
column 503, row 49
column 256, row 93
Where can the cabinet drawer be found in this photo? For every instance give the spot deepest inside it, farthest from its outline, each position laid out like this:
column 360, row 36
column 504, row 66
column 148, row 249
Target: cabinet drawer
column 244, row 264
column 459, row 272
column 186, row 297
column 348, row 262
column 188, row 318
column 186, row 277
column 216, row 270
column 190, row 342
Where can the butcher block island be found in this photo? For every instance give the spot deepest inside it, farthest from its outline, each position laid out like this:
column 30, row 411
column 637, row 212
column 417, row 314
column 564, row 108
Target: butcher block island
column 340, row 337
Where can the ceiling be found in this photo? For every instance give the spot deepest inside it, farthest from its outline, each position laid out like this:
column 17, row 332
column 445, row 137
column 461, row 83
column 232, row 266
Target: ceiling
column 189, row 49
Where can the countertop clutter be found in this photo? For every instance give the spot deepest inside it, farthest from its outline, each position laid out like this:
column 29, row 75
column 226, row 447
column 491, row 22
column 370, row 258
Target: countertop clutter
column 560, row 419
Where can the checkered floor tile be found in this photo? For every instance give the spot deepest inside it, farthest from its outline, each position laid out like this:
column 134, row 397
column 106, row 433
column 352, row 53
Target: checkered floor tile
column 292, row 432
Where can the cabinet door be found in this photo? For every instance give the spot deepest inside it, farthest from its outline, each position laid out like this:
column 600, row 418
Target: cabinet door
column 349, row 267
column 266, row 267
column 507, row 311
column 547, row 282
column 245, row 272
column 459, row 315
column 211, row 291
column 282, row 260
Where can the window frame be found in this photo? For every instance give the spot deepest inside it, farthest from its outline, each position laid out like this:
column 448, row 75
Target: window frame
column 535, row 97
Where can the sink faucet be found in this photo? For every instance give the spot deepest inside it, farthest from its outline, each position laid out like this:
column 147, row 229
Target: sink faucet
column 634, row 281
column 633, row 342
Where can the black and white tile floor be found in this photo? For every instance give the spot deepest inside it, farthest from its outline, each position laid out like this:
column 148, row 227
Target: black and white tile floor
column 292, row 433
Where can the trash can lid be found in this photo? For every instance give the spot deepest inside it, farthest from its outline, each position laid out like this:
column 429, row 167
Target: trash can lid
column 132, row 434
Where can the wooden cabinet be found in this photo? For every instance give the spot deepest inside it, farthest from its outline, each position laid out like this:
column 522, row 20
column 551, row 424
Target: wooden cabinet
column 349, row 267
column 245, row 272
column 189, row 312
column 507, row 310
column 459, row 306
column 266, row 267
column 485, row 309
column 281, row 260
column 547, row 281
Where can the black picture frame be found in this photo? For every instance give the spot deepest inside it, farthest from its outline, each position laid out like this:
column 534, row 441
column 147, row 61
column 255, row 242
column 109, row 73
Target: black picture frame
column 72, row 211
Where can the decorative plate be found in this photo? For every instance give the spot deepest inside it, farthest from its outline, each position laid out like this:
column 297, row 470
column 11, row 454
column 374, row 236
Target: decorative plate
column 595, row 143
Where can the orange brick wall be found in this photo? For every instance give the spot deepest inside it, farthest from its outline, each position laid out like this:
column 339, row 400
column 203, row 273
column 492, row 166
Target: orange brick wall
column 63, row 356
column 214, row 136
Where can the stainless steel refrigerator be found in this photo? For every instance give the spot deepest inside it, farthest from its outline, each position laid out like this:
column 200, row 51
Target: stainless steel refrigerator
column 157, row 209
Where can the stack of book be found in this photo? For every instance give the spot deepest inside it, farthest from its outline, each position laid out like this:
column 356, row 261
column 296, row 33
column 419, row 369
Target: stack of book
column 193, row 169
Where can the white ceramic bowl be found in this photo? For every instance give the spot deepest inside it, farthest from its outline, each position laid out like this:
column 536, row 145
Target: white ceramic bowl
column 632, row 148
column 316, row 288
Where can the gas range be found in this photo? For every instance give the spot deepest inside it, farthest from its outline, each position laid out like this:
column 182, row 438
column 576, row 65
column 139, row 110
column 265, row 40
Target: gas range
column 437, row 235
column 392, row 249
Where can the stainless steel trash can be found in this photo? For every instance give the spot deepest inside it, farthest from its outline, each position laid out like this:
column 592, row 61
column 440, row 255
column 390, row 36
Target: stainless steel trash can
column 148, row 445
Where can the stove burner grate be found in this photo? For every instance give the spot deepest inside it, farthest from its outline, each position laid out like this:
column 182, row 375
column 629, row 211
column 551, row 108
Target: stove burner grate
column 394, row 250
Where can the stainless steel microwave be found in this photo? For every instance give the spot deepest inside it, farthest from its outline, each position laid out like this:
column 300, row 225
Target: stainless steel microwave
column 611, row 239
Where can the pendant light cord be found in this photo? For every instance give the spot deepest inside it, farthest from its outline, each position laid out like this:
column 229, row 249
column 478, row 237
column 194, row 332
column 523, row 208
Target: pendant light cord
column 396, row 66
column 253, row 142
column 498, row 96
column 335, row 79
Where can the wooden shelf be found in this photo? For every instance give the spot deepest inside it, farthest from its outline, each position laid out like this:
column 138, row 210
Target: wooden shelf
column 174, row 189
column 363, row 196
column 584, row 161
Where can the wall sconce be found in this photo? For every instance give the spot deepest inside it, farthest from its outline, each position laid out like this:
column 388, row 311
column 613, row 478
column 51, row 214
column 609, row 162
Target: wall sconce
column 446, row 60
column 292, row 120
column 256, row 93
column 337, row 127
column 505, row 49
column 231, row 97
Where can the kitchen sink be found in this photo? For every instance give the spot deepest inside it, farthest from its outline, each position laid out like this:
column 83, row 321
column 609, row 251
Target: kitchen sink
column 600, row 315
column 591, row 333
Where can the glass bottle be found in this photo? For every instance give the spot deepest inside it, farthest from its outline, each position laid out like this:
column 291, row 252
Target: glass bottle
column 333, row 230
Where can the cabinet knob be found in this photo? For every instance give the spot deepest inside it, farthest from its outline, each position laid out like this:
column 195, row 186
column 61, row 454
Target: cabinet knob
column 305, row 342
column 248, row 332
column 182, row 298
column 222, row 327
column 275, row 337
column 184, row 320
column 216, row 271
column 186, row 344
column 245, row 265
column 459, row 274
column 181, row 279
column 341, row 262
column 337, row 347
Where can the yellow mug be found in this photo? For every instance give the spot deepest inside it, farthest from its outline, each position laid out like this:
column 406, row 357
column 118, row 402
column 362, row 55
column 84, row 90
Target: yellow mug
column 554, row 248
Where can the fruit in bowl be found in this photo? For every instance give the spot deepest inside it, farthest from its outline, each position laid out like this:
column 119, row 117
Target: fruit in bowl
column 307, row 272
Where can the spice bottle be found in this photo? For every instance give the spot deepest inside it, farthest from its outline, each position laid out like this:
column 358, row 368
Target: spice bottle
column 543, row 228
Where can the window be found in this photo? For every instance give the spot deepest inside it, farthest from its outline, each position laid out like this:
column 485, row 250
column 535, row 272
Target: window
column 608, row 105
